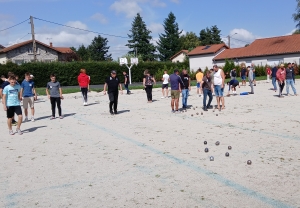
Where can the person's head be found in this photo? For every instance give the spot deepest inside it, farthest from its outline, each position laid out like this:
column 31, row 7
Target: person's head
column 282, row 66
column 10, row 74
column 293, row 64
column 27, row 76
column 289, row 65
column 211, row 70
column 216, row 68
column 176, row 71
column 52, row 77
column 252, row 64
column 233, row 69
column 146, row 72
column 3, row 78
column 248, row 67
column 113, row 73
column 228, row 83
column 83, row 71
column 184, row 71
column 208, row 73
column 166, row 72
column 12, row 80
column 17, row 77
column 124, row 73
column 199, row 70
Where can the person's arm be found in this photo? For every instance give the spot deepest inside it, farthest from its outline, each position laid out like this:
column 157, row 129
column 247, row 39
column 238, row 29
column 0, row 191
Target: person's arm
column 34, row 92
column 189, row 83
column 120, row 85
column 47, row 91
column 223, row 78
column 20, row 96
column 144, row 82
column 1, row 92
column 4, row 102
column 125, row 81
column 21, row 91
column 104, row 89
column 153, row 79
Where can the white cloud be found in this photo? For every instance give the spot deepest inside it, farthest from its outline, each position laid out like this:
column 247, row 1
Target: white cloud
column 156, row 28
column 129, row 8
column 290, row 33
column 240, row 37
column 100, row 18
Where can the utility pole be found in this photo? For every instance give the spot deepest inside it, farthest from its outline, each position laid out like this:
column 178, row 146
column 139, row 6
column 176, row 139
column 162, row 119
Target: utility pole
column 33, row 39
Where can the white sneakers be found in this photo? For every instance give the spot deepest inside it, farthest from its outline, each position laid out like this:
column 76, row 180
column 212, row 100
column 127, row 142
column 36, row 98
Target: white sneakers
column 84, row 103
column 26, row 119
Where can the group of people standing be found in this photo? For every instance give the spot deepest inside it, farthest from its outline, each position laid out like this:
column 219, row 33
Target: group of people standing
column 284, row 76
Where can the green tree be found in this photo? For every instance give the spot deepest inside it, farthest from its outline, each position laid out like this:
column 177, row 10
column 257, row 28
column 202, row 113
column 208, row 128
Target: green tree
column 140, row 38
column 83, row 53
column 210, row 36
column 169, row 43
column 296, row 32
column 296, row 16
column 99, row 50
column 73, row 49
column 189, row 41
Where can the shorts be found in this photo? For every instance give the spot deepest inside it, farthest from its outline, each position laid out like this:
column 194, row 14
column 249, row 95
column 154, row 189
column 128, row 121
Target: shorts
column 253, row 76
column 198, row 85
column 12, row 110
column 243, row 78
column 28, row 100
column 175, row 94
column 165, row 86
column 218, row 90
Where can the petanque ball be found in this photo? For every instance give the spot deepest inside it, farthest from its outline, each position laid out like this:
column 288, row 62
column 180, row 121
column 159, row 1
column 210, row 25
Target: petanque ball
column 205, row 142
column 201, row 113
column 249, row 162
column 227, row 154
column 216, row 114
column 211, row 158
column 217, row 143
column 206, row 150
column 192, row 115
column 229, row 147
column 197, row 113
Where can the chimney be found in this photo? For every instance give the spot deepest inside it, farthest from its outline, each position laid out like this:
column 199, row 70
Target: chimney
column 51, row 44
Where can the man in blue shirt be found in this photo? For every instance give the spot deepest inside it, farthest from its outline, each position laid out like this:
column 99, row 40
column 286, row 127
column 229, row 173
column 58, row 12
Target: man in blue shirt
column 274, row 71
column 175, row 81
column 11, row 104
column 29, row 95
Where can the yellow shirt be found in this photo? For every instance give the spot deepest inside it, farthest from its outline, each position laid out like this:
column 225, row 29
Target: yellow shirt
column 199, row 77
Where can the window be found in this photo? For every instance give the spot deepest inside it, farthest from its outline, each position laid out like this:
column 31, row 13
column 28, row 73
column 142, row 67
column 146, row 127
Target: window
column 30, row 50
column 206, row 47
column 18, row 61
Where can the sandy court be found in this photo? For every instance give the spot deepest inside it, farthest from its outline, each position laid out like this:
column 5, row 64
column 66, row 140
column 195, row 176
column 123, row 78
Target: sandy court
column 148, row 157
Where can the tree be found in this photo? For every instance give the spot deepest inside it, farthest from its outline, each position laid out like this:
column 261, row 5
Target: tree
column 189, row 41
column 210, row 36
column 99, row 50
column 296, row 32
column 169, row 43
column 83, row 53
column 140, row 38
column 296, row 16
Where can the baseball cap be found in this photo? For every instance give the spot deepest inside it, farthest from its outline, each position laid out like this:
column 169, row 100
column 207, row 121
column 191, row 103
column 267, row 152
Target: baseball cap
column 113, row 72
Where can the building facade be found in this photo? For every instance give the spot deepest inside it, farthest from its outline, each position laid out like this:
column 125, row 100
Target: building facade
column 179, row 57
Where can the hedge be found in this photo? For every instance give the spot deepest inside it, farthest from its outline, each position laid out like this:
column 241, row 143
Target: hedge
column 67, row 72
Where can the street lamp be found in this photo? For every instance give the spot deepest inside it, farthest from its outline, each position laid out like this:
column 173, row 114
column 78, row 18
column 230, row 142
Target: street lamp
column 134, row 61
column 229, row 36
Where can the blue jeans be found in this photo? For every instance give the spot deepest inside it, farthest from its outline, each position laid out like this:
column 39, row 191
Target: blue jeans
column 274, row 83
column 126, row 88
column 288, row 83
column 207, row 92
column 185, row 94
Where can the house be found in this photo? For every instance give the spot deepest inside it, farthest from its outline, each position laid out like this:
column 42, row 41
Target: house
column 179, row 57
column 265, row 51
column 23, row 53
column 203, row 56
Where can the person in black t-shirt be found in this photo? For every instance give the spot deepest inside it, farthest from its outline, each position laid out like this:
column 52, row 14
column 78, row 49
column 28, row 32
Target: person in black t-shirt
column 243, row 75
column 126, row 82
column 185, row 88
column 113, row 84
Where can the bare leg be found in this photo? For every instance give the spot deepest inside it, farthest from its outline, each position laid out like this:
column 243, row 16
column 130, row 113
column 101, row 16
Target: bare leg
column 167, row 92
column 176, row 103
column 218, row 102
column 20, row 117
column 26, row 112
column 9, row 120
column 163, row 92
column 172, row 104
column 223, row 102
column 32, row 112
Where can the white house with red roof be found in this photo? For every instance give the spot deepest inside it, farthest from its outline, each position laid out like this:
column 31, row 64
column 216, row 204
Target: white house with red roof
column 180, row 56
column 266, row 51
column 203, row 56
column 23, row 53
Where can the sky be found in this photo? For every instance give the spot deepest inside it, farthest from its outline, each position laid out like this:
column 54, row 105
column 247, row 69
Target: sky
column 250, row 19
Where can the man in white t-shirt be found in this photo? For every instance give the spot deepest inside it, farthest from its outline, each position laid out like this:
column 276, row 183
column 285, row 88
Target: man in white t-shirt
column 165, row 84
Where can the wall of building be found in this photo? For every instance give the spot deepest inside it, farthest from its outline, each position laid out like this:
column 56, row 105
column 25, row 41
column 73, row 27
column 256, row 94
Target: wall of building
column 263, row 60
column 24, row 54
column 3, row 58
column 179, row 58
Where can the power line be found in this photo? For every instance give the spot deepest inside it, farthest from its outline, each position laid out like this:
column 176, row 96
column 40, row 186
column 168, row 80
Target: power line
column 79, row 28
column 14, row 25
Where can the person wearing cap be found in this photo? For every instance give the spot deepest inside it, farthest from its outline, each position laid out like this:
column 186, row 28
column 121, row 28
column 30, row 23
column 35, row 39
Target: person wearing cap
column 281, row 76
column 148, row 81
column 29, row 96
column 84, row 84
column 289, row 80
column 176, row 83
column 113, row 83
column 219, row 80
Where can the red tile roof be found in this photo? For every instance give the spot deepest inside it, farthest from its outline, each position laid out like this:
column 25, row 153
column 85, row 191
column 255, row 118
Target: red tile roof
column 58, row 49
column 207, row 49
column 1, row 46
column 177, row 54
column 264, row 47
